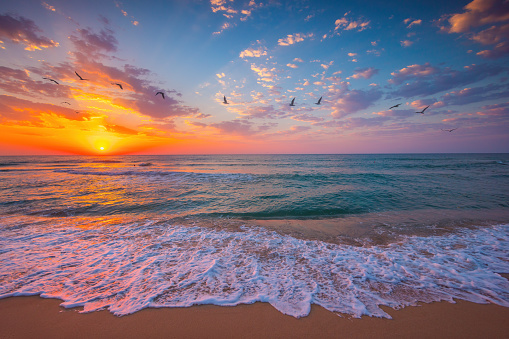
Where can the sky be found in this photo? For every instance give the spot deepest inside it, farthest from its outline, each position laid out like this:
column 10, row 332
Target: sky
column 361, row 57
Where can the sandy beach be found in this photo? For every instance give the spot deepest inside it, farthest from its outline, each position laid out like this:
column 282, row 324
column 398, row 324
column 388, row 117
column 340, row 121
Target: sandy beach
column 35, row 317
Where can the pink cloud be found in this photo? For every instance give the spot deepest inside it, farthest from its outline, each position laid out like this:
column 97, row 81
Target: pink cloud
column 87, row 42
column 479, row 13
column 365, row 73
column 406, row 43
column 346, row 24
column 345, row 101
column 18, row 82
column 426, row 79
column 293, row 38
column 412, row 23
column 500, row 50
column 23, row 31
column 253, row 52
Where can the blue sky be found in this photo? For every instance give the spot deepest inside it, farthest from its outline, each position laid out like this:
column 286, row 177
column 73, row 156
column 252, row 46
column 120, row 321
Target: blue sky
column 362, row 57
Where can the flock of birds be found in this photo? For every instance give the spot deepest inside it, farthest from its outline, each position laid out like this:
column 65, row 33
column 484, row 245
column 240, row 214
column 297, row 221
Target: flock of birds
column 81, row 78
column 225, row 101
column 292, row 103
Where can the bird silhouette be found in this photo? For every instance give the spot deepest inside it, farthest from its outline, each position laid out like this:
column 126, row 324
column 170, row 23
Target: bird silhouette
column 162, row 94
column 394, row 106
column 422, row 112
column 119, row 85
column 225, row 101
column 52, row 80
column 79, row 76
column 65, row 102
column 449, row 130
column 293, row 102
column 319, row 101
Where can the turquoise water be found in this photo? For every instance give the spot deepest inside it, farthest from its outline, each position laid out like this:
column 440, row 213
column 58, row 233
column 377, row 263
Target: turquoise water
column 253, row 186
column 347, row 232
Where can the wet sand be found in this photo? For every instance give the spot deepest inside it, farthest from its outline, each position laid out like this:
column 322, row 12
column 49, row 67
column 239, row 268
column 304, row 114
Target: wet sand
column 35, row 317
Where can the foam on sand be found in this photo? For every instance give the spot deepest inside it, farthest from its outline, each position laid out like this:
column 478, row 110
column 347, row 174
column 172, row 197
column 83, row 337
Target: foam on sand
column 126, row 267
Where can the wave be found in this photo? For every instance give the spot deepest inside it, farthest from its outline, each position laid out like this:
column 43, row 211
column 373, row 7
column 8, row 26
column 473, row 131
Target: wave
column 128, row 267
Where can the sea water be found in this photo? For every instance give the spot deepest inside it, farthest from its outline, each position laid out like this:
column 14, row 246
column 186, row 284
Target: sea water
column 346, row 232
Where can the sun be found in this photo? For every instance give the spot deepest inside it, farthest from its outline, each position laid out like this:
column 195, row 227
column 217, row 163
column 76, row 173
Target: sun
column 101, row 148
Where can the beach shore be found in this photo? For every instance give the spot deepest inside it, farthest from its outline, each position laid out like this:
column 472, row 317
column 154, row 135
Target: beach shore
column 35, row 317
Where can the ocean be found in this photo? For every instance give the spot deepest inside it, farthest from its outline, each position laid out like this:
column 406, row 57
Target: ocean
column 347, row 232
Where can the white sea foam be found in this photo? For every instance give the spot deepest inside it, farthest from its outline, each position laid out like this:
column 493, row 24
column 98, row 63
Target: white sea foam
column 129, row 266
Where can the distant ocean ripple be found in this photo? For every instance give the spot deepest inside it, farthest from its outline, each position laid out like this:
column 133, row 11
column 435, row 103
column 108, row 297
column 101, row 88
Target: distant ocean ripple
column 130, row 232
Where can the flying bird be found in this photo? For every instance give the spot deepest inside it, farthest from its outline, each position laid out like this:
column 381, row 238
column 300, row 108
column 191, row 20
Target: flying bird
column 119, row 85
column 162, row 94
column 319, row 100
column 65, row 102
column 422, row 112
column 79, row 76
column 394, row 106
column 450, row 130
column 293, row 102
column 51, row 80
column 225, row 101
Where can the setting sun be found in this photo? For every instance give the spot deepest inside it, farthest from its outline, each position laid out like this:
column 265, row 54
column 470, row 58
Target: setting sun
column 101, row 148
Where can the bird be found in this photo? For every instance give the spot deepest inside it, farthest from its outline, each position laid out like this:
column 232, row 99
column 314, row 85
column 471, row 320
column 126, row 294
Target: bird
column 52, row 80
column 77, row 112
column 225, row 101
column 79, row 76
column 162, row 94
column 449, row 130
column 292, row 103
column 319, row 100
column 422, row 112
column 394, row 106
column 119, row 85
column 65, row 102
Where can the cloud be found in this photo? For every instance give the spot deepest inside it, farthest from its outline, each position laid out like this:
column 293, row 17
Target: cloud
column 119, row 5
column 235, row 127
column 19, row 82
column 292, row 65
column 293, row 38
column 427, row 79
column 346, row 24
column 492, row 35
column 497, row 110
column 412, row 22
column 264, row 74
column 253, row 52
column 406, row 43
column 24, row 31
column 344, row 101
column 365, row 73
column 260, row 112
column 28, row 113
column 326, row 66
column 479, row 13
column 352, row 55
column 305, row 117
column 90, row 43
column 227, row 9
column 48, row 7
column 224, row 27
column 411, row 72
column 476, row 94
column 500, row 50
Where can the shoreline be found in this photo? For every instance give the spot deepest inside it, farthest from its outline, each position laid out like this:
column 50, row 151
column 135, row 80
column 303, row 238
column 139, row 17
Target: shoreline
column 33, row 316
